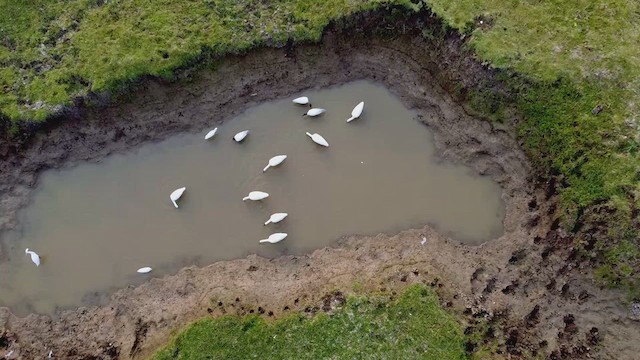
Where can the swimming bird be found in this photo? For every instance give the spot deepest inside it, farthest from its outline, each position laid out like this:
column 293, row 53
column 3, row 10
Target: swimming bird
column 274, row 238
column 210, row 134
column 276, row 218
column 176, row 194
column 303, row 100
column 315, row 112
column 255, row 196
column 144, row 270
column 240, row 136
column 275, row 161
column 318, row 139
column 356, row 112
column 34, row 257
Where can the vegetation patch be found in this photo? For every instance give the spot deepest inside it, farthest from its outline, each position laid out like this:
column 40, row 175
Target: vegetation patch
column 413, row 326
column 574, row 74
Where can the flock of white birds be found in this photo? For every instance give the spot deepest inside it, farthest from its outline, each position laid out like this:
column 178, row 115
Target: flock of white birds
column 253, row 195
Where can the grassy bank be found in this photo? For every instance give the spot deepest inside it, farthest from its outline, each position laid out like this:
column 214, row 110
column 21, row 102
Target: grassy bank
column 413, row 326
column 576, row 66
column 574, row 72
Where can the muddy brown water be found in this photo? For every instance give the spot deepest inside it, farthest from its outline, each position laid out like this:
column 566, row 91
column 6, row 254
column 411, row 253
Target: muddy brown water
column 94, row 224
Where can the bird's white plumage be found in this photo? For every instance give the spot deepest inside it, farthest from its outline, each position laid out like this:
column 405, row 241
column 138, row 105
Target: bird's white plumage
column 176, row 194
column 144, row 270
column 303, row 100
column 276, row 218
column 210, row 134
column 274, row 238
column 318, row 139
column 241, row 135
column 256, row 195
column 356, row 112
column 315, row 112
column 34, row 257
column 275, row 161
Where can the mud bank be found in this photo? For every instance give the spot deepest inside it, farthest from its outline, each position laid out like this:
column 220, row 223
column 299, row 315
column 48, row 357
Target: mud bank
column 524, row 282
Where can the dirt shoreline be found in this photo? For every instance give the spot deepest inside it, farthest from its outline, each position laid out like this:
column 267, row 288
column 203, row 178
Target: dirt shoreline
column 524, row 282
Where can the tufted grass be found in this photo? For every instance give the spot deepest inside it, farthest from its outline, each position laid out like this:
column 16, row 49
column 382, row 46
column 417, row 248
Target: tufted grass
column 414, row 326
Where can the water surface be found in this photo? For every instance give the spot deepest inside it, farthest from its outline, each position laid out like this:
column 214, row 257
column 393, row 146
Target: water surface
column 95, row 224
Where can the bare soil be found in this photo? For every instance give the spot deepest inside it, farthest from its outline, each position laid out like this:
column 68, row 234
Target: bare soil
column 526, row 284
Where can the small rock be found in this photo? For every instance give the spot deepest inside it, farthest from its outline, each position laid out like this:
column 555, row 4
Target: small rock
column 597, row 110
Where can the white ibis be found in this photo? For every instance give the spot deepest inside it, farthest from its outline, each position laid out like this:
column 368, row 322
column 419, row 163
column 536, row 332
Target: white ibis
column 318, row 139
column 276, row 218
column 144, row 270
column 176, row 194
column 315, row 112
column 210, row 134
column 255, row 196
column 240, row 136
column 275, row 161
column 356, row 112
column 303, row 100
column 274, row 238
column 34, row 257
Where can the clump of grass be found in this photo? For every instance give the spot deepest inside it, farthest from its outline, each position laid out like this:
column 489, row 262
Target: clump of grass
column 413, row 326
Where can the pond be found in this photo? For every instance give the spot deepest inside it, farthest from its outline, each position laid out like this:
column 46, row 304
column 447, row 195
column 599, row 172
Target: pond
column 95, row 224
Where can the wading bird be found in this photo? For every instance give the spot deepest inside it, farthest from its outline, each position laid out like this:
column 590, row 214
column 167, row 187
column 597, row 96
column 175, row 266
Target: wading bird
column 276, row 218
column 303, row 100
column 275, row 161
column 255, row 196
column 176, row 194
column 274, row 238
column 210, row 134
column 318, row 139
column 240, row 136
column 34, row 257
column 356, row 112
column 144, row 270
column 315, row 112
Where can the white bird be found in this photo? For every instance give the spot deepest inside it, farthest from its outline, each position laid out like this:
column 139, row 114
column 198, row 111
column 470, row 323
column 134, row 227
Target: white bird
column 210, row 134
column 276, row 218
column 144, row 270
column 176, row 194
column 318, row 139
column 255, row 196
column 34, row 257
column 274, row 238
column 50, row 354
column 356, row 112
column 315, row 112
column 303, row 100
column 275, row 161
column 240, row 136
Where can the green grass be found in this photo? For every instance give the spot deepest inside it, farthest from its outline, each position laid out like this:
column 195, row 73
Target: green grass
column 413, row 326
column 52, row 51
column 567, row 58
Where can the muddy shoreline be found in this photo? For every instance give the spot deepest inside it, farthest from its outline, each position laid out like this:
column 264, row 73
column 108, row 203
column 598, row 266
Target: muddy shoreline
column 524, row 282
